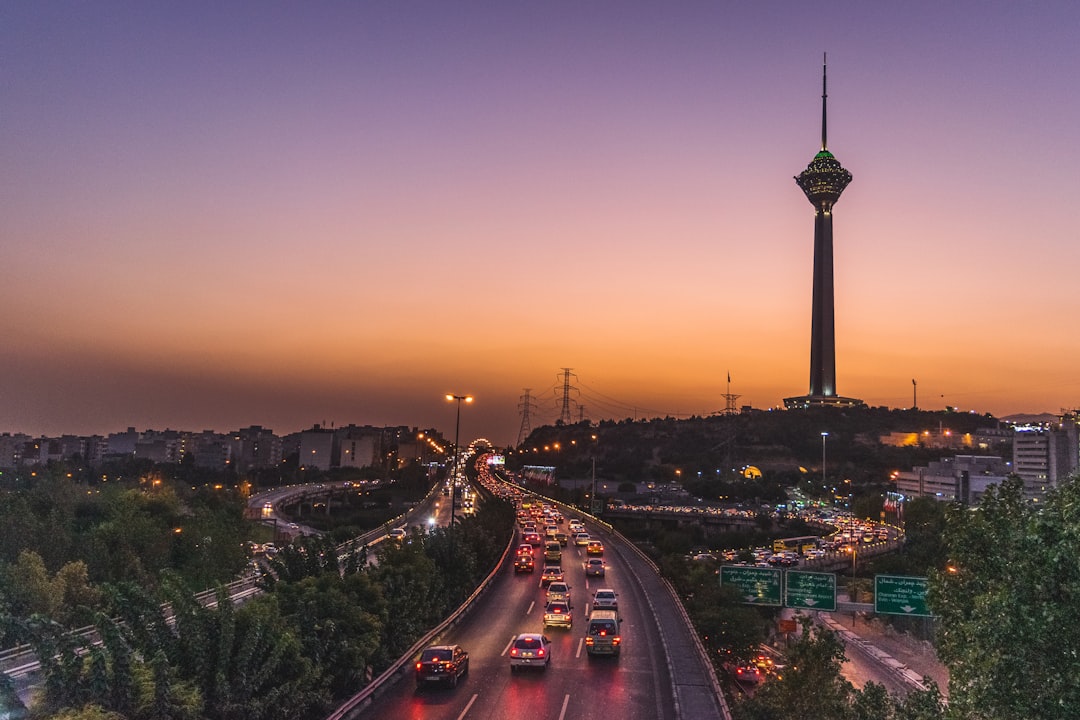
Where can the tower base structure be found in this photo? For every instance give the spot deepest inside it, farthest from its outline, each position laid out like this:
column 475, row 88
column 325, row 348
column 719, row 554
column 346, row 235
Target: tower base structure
column 808, row 401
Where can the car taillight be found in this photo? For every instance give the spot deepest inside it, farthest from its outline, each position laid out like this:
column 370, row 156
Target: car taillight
column 603, row 633
column 513, row 652
column 419, row 666
column 616, row 640
column 589, row 641
column 540, row 652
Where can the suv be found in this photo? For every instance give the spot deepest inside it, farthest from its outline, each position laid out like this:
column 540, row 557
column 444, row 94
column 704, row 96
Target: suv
column 442, row 663
column 552, row 551
column 602, row 633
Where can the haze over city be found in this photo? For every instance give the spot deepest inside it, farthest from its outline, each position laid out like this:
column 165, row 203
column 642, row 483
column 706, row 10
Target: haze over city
column 285, row 215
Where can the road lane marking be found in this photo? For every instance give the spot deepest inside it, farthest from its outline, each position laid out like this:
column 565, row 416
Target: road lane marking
column 508, row 645
column 580, row 644
column 471, row 701
column 565, row 702
column 531, row 605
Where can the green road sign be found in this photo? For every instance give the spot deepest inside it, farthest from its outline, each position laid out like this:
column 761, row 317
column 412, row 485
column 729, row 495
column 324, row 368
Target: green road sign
column 900, row 595
column 758, row 586
column 810, row 590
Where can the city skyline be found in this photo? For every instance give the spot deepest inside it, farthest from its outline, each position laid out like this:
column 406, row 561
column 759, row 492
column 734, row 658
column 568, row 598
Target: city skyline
column 278, row 216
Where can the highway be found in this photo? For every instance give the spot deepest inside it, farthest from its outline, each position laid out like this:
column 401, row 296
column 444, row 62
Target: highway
column 575, row 686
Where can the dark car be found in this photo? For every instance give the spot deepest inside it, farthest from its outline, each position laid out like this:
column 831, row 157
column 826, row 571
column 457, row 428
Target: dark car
column 524, row 563
column 442, row 664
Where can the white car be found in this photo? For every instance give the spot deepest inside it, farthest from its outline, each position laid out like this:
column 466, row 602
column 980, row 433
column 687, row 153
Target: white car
column 530, row 650
column 397, row 534
column 605, row 598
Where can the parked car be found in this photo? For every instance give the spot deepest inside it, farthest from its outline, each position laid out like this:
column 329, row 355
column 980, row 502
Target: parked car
column 530, row 650
column 442, row 664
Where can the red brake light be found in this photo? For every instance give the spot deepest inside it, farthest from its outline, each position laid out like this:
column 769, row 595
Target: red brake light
column 419, row 665
column 603, row 633
column 540, row 652
column 514, row 651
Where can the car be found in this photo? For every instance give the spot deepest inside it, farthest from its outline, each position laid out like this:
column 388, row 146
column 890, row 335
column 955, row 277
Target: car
column 552, row 573
column 765, row 663
column 594, row 567
column 397, row 534
column 442, row 664
column 558, row 591
column 602, row 634
column 524, row 563
column 594, row 547
column 530, row 650
column 581, row 539
column 525, row 549
column 533, row 538
column 748, row 674
column 576, row 525
column 605, row 598
column 552, row 551
column 557, row 612
column 562, row 538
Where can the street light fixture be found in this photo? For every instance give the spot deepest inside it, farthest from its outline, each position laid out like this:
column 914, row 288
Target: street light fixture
column 457, row 429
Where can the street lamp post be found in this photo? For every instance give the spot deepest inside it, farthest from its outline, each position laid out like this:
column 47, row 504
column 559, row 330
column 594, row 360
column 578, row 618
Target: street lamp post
column 457, row 430
column 592, row 496
column 854, row 556
column 824, row 481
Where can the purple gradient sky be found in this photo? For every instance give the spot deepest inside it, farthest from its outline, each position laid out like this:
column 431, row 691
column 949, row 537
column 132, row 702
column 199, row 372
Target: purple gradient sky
column 286, row 214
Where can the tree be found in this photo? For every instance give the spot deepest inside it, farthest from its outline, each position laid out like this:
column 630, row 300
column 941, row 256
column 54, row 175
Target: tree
column 1009, row 600
column 811, row 688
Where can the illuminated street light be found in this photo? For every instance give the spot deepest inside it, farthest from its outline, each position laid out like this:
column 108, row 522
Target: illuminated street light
column 457, row 429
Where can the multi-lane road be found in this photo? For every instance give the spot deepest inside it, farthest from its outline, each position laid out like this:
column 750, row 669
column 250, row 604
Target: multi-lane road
column 636, row 685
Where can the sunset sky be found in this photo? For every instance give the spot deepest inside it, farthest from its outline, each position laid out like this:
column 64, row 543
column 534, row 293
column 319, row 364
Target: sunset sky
column 214, row 215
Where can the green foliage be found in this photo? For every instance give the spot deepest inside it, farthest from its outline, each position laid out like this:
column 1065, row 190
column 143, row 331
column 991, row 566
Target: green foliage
column 29, row 589
column 1008, row 604
column 812, row 686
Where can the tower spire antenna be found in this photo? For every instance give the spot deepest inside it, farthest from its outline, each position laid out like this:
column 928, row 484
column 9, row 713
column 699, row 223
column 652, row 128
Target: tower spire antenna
column 824, row 99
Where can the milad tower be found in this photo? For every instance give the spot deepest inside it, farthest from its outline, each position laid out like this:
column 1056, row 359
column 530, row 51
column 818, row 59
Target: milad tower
column 822, row 182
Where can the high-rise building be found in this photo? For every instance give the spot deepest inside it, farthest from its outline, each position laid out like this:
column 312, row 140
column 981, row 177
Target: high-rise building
column 822, row 182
